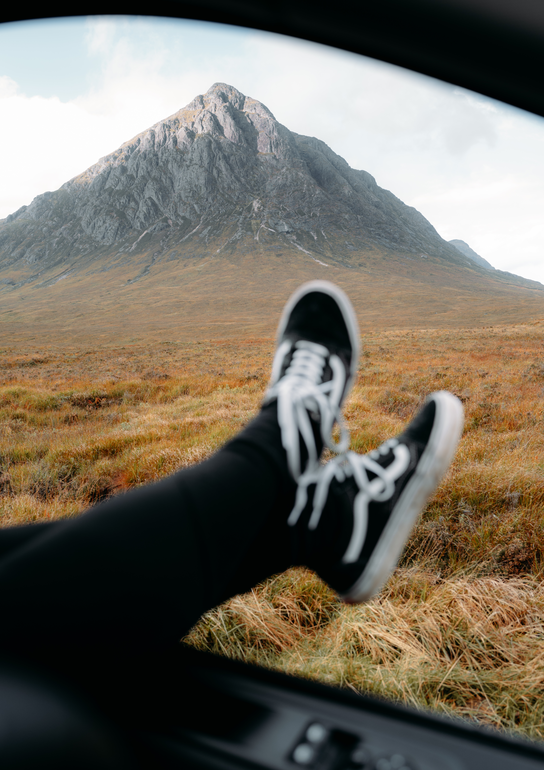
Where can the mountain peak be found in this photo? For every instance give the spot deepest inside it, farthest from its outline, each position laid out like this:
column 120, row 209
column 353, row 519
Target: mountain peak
column 223, row 204
column 225, row 93
column 221, row 97
column 220, row 176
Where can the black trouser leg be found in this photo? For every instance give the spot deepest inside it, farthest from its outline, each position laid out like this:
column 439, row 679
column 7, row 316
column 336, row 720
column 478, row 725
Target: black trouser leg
column 13, row 538
column 137, row 571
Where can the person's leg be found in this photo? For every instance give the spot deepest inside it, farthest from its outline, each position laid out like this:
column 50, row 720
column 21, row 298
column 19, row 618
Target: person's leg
column 138, row 570
column 15, row 537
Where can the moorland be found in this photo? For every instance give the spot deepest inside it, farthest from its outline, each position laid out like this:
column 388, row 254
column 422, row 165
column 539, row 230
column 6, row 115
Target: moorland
column 457, row 629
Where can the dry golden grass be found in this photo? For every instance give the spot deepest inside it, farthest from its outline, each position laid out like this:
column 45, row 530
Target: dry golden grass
column 77, row 427
column 462, row 646
column 459, row 626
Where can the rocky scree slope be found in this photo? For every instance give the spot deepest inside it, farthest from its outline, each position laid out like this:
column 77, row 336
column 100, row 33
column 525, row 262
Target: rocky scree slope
column 219, row 175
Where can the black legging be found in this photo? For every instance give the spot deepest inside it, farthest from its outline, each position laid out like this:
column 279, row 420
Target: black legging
column 135, row 572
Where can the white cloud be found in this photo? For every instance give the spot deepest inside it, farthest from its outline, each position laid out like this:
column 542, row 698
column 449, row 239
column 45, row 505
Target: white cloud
column 465, row 123
column 44, row 143
column 8, row 87
column 99, row 34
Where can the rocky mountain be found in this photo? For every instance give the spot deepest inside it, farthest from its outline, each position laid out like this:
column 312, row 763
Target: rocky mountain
column 465, row 249
column 221, row 200
column 220, row 171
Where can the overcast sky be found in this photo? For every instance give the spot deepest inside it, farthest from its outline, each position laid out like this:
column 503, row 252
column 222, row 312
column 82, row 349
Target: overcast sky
column 73, row 90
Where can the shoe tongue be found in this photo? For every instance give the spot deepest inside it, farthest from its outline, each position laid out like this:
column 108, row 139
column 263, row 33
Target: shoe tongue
column 314, row 347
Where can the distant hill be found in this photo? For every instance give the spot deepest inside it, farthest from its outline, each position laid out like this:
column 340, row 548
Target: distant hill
column 465, row 249
column 204, row 223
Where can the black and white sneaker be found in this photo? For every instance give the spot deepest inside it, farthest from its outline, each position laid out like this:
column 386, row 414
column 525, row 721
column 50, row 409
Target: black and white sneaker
column 314, row 367
column 355, row 514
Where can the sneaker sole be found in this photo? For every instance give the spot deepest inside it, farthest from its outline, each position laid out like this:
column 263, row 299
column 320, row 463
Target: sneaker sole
column 434, row 462
column 348, row 314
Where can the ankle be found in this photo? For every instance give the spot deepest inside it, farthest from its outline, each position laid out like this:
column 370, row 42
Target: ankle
column 322, row 546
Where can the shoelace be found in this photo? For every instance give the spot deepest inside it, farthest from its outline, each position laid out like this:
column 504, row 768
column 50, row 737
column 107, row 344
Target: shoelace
column 300, row 391
column 379, row 489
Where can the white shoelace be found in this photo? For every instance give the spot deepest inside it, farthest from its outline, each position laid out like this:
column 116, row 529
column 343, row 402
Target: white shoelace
column 379, row 489
column 300, row 391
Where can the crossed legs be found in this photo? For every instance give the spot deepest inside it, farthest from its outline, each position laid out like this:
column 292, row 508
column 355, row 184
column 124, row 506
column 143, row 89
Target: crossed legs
column 137, row 571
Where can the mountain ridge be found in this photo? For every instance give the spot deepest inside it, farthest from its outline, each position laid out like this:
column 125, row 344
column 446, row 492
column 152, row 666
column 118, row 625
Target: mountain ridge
column 465, row 249
column 229, row 161
column 222, row 188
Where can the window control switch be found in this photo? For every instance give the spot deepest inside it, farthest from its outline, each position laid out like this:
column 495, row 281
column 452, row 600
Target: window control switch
column 323, row 748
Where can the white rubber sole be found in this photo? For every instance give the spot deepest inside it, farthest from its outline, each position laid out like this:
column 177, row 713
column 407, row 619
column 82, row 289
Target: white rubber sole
column 348, row 314
column 434, row 462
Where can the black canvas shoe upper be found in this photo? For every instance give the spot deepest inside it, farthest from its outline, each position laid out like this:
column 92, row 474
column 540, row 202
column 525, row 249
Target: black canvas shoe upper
column 353, row 516
column 314, row 366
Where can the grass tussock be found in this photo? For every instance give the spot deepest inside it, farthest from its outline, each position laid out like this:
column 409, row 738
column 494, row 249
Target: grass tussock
column 459, row 626
column 77, row 428
column 466, row 646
